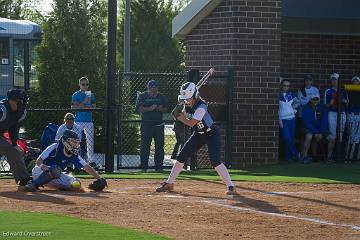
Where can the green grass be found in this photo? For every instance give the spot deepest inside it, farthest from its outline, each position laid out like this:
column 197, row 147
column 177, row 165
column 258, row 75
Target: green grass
column 53, row 226
column 294, row 173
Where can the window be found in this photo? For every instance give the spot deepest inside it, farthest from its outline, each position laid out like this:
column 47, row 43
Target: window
column 4, row 51
column 19, row 76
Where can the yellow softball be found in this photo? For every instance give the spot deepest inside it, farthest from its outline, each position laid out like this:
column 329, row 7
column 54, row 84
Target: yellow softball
column 76, row 184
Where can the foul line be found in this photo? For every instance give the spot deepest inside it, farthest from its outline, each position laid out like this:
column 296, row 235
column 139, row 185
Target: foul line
column 314, row 220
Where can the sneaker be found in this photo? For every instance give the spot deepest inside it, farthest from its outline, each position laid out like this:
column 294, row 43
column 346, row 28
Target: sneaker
column 330, row 160
column 165, row 187
column 27, row 188
column 306, row 160
column 231, row 190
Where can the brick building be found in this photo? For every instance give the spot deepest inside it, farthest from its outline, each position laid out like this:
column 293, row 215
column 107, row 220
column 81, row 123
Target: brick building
column 262, row 40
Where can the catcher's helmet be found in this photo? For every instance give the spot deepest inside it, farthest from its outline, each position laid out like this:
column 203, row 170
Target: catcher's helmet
column 71, row 142
column 18, row 95
column 187, row 90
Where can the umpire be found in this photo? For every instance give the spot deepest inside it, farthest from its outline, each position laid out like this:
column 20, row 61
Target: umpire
column 12, row 112
column 151, row 105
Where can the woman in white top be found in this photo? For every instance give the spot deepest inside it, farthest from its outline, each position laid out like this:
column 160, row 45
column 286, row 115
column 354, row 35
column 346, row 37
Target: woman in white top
column 306, row 91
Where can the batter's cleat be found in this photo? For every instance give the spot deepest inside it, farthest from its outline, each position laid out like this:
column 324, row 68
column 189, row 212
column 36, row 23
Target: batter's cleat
column 165, row 187
column 28, row 188
column 231, row 190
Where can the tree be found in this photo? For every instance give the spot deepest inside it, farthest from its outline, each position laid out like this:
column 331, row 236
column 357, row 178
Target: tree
column 152, row 46
column 11, row 9
column 73, row 46
column 20, row 9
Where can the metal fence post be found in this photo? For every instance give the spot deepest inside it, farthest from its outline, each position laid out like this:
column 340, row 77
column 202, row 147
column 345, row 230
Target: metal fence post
column 110, row 86
column 229, row 120
column 338, row 157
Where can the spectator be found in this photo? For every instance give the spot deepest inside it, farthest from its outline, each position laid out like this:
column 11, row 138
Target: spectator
column 330, row 100
column 151, row 105
column 179, row 129
column 314, row 117
column 353, row 121
column 69, row 124
column 85, row 99
column 305, row 91
column 287, row 104
column 12, row 113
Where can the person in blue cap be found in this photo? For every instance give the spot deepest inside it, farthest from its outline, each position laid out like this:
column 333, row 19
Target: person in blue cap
column 151, row 105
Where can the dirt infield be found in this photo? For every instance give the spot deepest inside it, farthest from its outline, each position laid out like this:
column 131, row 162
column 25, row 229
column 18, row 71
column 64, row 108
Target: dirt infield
column 201, row 210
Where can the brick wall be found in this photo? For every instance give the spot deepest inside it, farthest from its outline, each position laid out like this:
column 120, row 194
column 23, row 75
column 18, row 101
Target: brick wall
column 320, row 55
column 245, row 35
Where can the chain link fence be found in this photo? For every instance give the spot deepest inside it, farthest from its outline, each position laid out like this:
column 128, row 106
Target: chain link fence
column 128, row 143
column 42, row 123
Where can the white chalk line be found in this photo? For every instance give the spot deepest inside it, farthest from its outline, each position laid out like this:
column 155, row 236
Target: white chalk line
column 282, row 215
column 249, row 210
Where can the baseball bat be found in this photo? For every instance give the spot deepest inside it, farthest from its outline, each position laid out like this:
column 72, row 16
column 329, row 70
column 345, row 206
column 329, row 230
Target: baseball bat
column 205, row 78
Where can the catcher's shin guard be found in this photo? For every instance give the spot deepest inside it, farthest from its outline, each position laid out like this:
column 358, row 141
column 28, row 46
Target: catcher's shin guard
column 165, row 187
column 46, row 176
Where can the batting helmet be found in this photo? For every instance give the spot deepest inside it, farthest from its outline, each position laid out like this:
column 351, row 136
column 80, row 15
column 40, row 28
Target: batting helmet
column 71, row 142
column 188, row 90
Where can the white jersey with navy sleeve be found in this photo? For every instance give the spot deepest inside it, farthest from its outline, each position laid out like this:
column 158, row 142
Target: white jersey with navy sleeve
column 54, row 155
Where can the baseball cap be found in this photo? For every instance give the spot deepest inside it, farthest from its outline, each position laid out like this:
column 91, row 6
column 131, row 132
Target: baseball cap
column 314, row 95
column 355, row 78
column 334, row 76
column 308, row 77
column 152, row 84
column 69, row 116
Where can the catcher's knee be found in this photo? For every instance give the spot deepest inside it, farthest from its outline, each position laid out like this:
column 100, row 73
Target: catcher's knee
column 55, row 171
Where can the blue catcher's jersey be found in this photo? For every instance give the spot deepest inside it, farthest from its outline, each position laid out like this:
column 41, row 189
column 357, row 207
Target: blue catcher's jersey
column 54, row 155
column 200, row 112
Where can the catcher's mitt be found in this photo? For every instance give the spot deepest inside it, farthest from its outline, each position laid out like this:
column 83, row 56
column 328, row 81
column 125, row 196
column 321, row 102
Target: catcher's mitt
column 98, row 184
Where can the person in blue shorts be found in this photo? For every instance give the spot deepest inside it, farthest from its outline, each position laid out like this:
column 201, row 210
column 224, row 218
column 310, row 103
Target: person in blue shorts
column 196, row 115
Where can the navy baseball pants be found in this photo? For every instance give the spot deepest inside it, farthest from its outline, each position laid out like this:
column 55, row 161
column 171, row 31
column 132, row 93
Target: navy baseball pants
column 197, row 140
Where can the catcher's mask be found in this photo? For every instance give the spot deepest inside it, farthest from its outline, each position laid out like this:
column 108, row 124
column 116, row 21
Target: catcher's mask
column 19, row 96
column 71, row 142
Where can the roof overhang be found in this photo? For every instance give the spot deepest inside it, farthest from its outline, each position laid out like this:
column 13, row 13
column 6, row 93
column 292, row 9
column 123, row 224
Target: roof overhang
column 191, row 16
column 349, row 27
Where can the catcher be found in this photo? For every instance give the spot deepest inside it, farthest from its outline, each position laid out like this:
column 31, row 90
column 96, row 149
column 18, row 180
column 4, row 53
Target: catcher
column 53, row 161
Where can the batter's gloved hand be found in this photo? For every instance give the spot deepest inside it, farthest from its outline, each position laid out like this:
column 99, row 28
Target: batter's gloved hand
column 98, row 185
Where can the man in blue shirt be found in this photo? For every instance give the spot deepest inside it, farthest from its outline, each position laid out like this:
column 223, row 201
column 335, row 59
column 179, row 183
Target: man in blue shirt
column 84, row 99
column 151, row 105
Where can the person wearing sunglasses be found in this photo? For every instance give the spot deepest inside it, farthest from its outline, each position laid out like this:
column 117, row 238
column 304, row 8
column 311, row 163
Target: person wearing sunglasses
column 288, row 103
column 330, row 100
column 85, row 99
column 314, row 116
